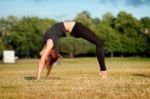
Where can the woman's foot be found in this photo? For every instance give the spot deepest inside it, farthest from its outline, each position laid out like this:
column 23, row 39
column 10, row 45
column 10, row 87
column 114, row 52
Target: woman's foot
column 103, row 74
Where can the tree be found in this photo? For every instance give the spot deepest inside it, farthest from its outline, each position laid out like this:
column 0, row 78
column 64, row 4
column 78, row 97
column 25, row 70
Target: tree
column 27, row 34
column 2, row 47
column 145, row 23
column 108, row 19
column 85, row 18
column 122, row 34
column 106, row 32
column 110, row 37
column 129, row 27
column 73, row 46
column 145, row 38
column 6, row 25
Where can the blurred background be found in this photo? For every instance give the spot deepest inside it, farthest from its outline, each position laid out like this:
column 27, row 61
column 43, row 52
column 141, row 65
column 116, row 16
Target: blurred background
column 124, row 25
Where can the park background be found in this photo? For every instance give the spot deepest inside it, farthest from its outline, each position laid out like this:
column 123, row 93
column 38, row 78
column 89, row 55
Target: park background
column 124, row 25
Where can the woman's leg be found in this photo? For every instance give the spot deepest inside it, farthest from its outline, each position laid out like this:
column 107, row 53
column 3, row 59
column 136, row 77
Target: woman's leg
column 89, row 35
column 48, row 47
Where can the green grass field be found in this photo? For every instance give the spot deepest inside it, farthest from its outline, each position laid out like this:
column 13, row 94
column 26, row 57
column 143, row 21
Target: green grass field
column 129, row 78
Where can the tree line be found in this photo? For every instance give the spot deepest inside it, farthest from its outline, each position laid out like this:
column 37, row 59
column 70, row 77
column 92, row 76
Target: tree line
column 123, row 35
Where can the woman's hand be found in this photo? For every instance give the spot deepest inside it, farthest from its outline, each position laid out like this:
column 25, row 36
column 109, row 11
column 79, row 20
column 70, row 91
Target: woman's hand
column 103, row 74
column 41, row 53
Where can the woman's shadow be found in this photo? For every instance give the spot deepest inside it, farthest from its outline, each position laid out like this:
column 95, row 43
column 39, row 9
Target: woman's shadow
column 42, row 78
column 141, row 75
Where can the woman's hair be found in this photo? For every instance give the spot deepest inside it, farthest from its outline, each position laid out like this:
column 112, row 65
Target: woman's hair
column 53, row 56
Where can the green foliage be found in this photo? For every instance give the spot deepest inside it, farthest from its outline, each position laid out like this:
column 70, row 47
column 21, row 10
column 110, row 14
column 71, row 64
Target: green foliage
column 127, row 24
column 122, row 34
column 6, row 24
column 26, row 35
column 2, row 47
column 145, row 22
column 132, row 39
column 105, row 31
column 73, row 46
column 85, row 18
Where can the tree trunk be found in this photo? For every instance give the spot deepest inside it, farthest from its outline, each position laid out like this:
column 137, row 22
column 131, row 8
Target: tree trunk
column 121, row 55
column 112, row 55
column 71, row 55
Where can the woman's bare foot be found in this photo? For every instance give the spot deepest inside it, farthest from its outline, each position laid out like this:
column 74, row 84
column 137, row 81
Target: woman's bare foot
column 103, row 74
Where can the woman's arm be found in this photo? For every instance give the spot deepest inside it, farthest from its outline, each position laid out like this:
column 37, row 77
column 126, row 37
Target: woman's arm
column 49, row 67
column 41, row 52
column 45, row 53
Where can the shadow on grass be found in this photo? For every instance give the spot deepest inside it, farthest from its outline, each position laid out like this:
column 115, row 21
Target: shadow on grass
column 141, row 75
column 42, row 78
column 29, row 78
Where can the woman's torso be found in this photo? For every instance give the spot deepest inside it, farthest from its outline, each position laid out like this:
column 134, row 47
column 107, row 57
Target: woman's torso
column 57, row 31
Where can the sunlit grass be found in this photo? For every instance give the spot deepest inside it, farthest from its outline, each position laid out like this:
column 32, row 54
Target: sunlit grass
column 129, row 78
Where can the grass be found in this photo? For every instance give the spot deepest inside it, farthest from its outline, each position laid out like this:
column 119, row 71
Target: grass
column 129, row 78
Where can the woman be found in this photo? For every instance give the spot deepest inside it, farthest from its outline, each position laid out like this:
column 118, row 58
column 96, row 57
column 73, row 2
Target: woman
column 77, row 30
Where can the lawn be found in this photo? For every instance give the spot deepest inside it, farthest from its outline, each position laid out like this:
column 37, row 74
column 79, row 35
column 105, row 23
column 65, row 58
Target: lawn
column 129, row 78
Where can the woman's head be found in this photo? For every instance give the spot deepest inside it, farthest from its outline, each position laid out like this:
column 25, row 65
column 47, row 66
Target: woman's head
column 53, row 56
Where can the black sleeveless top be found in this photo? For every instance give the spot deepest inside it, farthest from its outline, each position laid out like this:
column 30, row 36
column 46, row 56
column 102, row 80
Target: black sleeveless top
column 55, row 32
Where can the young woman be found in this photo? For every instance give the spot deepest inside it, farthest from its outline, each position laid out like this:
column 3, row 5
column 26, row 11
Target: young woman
column 77, row 30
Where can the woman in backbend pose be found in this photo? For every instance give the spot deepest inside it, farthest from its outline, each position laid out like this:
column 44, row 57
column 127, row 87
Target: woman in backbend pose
column 49, row 53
